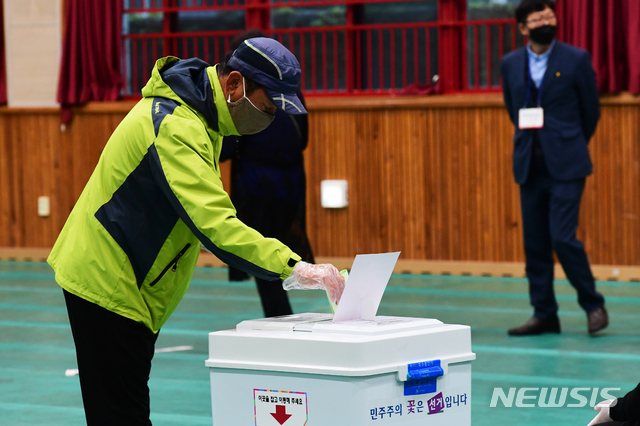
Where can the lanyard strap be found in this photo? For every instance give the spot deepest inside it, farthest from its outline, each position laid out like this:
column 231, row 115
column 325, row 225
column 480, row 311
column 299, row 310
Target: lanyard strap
column 529, row 81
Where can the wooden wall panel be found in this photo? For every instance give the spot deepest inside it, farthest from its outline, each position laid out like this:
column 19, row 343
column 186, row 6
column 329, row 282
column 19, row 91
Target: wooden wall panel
column 610, row 213
column 430, row 177
column 7, row 219
column 434, row 183
column 44, row 160
column 28, row 142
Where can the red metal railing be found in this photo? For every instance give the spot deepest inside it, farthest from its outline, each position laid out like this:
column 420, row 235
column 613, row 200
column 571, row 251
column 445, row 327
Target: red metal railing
column 487, row 42
column 345, row 59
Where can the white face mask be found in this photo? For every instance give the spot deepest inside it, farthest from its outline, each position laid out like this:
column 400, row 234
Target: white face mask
column 248, row 118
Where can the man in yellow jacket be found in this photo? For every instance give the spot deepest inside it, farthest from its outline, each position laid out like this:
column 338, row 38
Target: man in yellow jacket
column 129, row 248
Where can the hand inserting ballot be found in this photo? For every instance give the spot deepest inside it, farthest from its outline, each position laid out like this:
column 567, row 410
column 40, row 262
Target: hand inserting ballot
column 307, row 276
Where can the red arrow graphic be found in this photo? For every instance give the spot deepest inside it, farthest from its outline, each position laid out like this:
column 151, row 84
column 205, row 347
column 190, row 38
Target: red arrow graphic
column 281, row 415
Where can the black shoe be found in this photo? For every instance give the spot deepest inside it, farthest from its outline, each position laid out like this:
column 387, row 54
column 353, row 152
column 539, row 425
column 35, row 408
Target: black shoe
column 535, row 326
column 597, row 319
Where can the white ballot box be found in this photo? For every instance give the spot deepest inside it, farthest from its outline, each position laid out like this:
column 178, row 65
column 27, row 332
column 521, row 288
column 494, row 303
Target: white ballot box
column 307, row 370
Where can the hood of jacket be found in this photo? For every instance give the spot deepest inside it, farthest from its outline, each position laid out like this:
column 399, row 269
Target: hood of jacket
column 194, row 83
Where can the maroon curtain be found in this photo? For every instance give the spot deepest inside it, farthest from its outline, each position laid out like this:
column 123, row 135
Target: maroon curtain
column 3, row 69
column 610, row 31
column 90, row 67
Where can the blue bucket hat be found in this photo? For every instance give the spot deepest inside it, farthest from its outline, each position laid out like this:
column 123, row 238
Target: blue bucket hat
column 270, row 64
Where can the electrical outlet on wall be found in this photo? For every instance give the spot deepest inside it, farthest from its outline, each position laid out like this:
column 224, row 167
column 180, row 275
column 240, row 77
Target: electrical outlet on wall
column 44, row 208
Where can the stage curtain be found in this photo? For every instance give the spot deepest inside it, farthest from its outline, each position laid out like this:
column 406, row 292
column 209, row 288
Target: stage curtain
column 610, row 31
column 90, row 67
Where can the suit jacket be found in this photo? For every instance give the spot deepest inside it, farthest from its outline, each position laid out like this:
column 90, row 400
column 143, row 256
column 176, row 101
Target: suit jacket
column 571, row 111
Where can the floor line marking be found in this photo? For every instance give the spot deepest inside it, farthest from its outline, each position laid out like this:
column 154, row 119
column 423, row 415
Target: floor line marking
column 390, row 290
column 554, row 353
column 429, row 306
column 545, row 381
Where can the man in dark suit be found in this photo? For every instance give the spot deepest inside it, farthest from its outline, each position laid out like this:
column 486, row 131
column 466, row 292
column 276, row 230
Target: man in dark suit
column 551, row 95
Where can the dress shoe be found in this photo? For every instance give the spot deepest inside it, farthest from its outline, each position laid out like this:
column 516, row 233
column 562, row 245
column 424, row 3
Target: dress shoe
column 597, row 319
column 535, row 326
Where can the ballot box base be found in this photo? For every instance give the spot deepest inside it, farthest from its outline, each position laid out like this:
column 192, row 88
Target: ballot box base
column 306, row 370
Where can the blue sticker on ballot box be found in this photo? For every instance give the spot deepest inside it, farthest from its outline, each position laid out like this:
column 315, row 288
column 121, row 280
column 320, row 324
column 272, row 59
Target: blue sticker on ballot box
column 420, row 386
column 422, row 377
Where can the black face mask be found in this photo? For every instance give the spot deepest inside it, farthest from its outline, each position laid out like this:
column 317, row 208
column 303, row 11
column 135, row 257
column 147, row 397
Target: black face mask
column 543, row 35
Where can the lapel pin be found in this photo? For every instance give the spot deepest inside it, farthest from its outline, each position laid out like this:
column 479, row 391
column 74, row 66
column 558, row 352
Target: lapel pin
column 558, row 74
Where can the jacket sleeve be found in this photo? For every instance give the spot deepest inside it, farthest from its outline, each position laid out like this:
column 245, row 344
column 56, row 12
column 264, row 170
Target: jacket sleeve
column 506, row 92
column 588, row 94
column 627, row 407
column 184, row 167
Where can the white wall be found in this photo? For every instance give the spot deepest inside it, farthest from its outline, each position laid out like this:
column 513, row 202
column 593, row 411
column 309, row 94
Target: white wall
column 33, row 46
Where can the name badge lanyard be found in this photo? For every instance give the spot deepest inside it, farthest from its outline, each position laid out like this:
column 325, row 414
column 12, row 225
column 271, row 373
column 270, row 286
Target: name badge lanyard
column 531, row 118
column 529, row 81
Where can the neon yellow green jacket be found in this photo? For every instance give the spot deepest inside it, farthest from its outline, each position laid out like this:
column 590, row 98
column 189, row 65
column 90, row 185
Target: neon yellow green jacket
column 133, row 238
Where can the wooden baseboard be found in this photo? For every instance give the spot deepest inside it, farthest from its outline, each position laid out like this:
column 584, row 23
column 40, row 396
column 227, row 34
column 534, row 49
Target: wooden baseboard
column 432, row 267
column 29, row 254
column 491, row 269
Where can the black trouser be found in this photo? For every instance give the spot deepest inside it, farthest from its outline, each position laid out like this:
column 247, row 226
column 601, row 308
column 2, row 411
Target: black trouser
column 114, row 359
column 275, row 301
column 550, row 211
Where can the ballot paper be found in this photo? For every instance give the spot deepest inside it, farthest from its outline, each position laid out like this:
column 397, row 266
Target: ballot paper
column 368, row 278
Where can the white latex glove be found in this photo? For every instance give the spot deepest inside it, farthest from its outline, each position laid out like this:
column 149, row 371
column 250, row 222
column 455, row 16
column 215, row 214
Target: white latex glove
column 307, row 276
column 603, row 412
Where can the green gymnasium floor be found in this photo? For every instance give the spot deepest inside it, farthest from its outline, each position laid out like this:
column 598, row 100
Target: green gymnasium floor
column 36, row 346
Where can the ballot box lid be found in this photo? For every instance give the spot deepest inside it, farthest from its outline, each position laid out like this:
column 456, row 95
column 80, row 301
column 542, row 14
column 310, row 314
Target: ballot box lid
column 313, row 343
column 322, row 323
